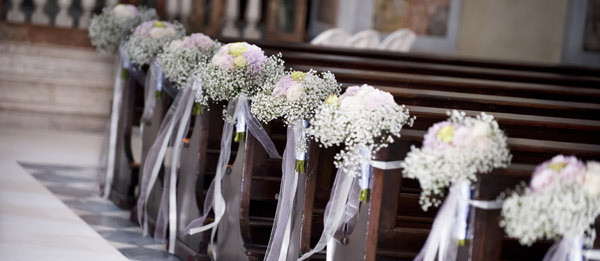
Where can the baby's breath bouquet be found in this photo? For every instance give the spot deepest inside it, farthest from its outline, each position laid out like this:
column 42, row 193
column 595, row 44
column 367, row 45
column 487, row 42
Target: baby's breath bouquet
column 181, row 57
column 363, row 120
column 294, row 96
column 149, row 38
column 362, row 117
column 109, row 28
column 238, row 68
column 456, row 150
column 562, row 200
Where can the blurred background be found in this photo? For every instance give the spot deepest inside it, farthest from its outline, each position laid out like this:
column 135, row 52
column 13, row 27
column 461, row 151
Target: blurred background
column 52, row 78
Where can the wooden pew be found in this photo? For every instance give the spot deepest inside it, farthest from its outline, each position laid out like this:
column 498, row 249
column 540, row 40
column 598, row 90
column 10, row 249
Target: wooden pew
column 527, row 150
column 126, row 169
column 556, row 111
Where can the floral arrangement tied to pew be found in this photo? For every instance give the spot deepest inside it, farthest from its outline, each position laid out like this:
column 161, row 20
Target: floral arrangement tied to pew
column 149, row 38
column 453, row 153
column 294, row 97
column 561, row 202
column 177, row 61
column 181, row 57
column 114, row 25
column 235, row 74
column 364, row 120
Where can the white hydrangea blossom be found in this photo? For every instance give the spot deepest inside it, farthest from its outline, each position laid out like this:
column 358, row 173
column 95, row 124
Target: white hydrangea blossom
column 438, row 167
column 292, row 107
column 178, row 62
column 107, row 29
column 550, row 214
column 142, row 48
column 333, row 125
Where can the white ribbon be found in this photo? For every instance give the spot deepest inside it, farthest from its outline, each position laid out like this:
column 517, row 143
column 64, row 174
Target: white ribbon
column 169, row 195
column 440, row 240
column 279, row 242
column 123, row 63
column 153, row 84
column 157, row 152
column 240, row 110
column 569, row 248
column 335, row 213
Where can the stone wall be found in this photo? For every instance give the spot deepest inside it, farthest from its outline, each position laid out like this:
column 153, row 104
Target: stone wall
column 54, row 87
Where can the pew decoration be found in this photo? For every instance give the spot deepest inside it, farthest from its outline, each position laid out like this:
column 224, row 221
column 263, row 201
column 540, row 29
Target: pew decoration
column 294, row 97
column 234, row 74
column 453, row 152
column 149, row 38
column 180, row 57
column 561, row 203
column 108, row 29
column 364, row 120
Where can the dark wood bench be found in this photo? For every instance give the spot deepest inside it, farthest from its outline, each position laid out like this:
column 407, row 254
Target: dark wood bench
column 563, row 114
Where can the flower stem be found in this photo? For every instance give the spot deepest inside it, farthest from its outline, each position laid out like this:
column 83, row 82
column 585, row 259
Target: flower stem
column 364, row 195
column 240, row 137
column 300, row 166
column 158, row 95
column 197, row 109
column 124, row 73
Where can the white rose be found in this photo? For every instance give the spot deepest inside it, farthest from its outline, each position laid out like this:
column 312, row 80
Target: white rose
column 124, row 11
column 481, row 130
column 591, row 186
column 176, row 44
column 294, row 91
column 159, row 32
column 352, row 103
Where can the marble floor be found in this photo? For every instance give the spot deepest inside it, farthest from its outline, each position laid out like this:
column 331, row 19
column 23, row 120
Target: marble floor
column 49, row 204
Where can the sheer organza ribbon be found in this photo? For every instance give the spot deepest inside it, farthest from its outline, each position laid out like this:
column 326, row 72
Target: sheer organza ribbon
column 280, row 241
column 570, row 248
column 152, row 86
column 239, row 108
column 176, row 119
column 340, row 214
column 449, row 229
column 121, row 74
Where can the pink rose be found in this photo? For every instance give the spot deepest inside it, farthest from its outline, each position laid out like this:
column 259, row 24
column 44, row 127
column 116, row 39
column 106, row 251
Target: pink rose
column 562, row 168
column 223, row 61
column 282, row 86
column 376, row 98
column 198, row 40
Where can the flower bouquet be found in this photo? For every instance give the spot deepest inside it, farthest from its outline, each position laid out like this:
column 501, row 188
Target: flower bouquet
column 238, row 70
column 180, row 57
column 149, row 38
column 294, row 97
column 453, row 152
column 364, row 120
column 561, row 201
column 109, row 28
column 234, row 74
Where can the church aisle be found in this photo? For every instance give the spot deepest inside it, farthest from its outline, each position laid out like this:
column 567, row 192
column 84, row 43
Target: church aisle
column 76, row 187
column 35, row 225
column 49, row 207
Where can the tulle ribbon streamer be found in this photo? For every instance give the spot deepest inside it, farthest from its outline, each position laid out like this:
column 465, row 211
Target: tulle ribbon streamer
column 240, row 110
column 176, row 121
column 570, row 248
column 152, row 91
column 121, row 74
column 281, row 244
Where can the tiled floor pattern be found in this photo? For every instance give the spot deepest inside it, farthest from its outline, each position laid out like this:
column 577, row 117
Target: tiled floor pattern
column 76, row 187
